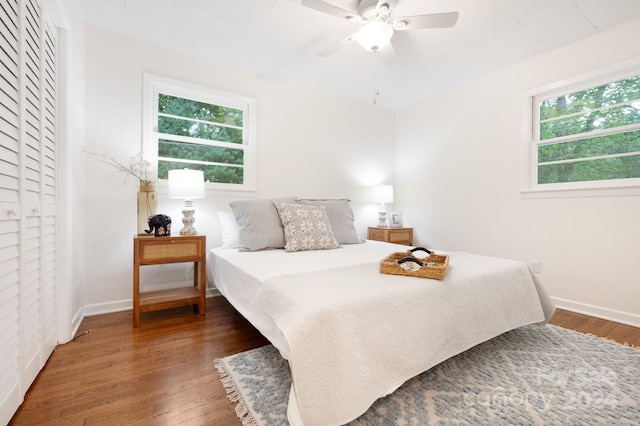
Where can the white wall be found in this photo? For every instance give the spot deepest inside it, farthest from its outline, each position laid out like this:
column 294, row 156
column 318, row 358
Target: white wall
column 70, row 134
column 309, row 145
column 458, row 178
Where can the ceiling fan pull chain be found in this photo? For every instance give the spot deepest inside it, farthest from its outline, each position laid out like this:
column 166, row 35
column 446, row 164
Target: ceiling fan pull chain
column 376, row 79
column 375, row 84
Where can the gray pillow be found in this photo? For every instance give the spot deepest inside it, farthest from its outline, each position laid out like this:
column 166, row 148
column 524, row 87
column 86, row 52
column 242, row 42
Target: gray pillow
column 341, row 218
column 260, row 225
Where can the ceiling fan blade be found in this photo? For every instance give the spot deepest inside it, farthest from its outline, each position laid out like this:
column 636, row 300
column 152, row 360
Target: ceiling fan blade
column 329, row 9
column 433, row 20
column 336, row 46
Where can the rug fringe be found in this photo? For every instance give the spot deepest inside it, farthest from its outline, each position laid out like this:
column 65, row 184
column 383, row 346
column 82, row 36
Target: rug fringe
column 628, row 345
column 243, row 411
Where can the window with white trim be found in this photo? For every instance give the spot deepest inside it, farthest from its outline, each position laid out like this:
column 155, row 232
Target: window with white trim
column 202, row 129
column 588, row 135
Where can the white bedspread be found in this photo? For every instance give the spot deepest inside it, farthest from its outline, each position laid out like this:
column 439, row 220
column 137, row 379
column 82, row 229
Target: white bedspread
column 355, row 334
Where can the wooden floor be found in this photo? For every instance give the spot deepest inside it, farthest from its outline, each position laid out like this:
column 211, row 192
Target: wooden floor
column 162, row 373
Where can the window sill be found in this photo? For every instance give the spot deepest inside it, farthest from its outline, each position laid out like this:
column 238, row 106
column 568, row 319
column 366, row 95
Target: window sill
column 621, row 191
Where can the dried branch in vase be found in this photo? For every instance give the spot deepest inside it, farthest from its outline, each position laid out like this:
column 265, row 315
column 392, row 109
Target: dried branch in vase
column 138, row 167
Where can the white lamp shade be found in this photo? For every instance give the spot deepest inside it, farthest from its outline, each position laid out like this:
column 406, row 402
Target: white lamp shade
column 186, row 183
column 383, row 194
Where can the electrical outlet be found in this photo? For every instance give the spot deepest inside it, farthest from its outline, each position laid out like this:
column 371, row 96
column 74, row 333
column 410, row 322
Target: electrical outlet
column 534, row 265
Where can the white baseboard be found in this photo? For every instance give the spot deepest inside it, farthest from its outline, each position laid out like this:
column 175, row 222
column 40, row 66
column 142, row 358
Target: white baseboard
column 107, row 308
column 598, row 312
column 75, row 322
column 123, row 305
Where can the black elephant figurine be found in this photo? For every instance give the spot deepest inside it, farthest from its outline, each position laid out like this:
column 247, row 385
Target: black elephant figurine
column 160, row 225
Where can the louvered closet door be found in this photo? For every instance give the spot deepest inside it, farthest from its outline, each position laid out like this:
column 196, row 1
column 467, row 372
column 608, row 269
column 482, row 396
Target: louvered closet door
column 49, row 193
column 10, row 376
column 31, row 319
column 28, row 316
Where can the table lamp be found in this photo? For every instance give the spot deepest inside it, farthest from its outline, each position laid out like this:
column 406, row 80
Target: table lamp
column 187, row 184
column 382, row 194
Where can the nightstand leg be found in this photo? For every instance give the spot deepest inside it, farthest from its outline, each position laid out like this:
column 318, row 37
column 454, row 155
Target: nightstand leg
column 202, row 275
column 136, row 286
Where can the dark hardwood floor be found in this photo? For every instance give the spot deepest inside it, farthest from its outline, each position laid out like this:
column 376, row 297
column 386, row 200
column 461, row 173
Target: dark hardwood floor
column 620, row 333
column 162, row 373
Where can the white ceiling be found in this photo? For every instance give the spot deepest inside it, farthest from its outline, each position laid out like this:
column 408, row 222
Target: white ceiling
column 281, row 38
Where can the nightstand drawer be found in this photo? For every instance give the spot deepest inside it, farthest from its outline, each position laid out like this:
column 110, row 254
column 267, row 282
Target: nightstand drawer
column 400, row 237
column 175, row 251
column 377, row 234
column 158, row 250
column 391, row 235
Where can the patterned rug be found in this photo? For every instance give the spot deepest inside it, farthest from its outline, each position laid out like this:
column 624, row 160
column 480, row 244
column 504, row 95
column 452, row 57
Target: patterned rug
column 529, row 376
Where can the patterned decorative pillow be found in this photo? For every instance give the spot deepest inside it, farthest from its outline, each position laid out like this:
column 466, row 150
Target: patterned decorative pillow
column 306, row 227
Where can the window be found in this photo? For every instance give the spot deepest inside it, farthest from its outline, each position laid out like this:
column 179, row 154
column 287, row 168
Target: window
column 202, row 129
column 588, row 135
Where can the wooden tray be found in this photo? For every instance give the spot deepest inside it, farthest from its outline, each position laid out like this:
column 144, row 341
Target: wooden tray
column 434, row 266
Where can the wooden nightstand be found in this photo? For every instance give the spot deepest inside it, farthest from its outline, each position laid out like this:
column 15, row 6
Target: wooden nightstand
column 391, row 235
column 163, row 250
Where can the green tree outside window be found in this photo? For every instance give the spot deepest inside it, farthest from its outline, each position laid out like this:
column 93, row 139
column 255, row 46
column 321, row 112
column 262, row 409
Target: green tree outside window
column 590, row 135
column 200, row 136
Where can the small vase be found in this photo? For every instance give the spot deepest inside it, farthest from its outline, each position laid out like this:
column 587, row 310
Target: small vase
column 147, row 206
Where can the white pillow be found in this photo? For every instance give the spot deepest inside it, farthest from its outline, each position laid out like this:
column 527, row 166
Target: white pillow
column 306, row 227
column 230, row 230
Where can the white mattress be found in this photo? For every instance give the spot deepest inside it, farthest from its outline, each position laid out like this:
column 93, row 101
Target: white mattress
column 238, row 275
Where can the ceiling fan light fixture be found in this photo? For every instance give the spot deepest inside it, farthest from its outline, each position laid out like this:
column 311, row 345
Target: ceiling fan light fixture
column 374, row 35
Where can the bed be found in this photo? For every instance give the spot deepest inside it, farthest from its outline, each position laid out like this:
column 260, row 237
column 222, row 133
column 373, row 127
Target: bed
column 351, row 334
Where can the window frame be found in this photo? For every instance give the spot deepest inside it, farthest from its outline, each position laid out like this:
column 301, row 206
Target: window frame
column 153, row 85
column 531, row 120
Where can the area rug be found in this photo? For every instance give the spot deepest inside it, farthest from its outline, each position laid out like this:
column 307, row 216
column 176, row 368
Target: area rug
column 533, row 375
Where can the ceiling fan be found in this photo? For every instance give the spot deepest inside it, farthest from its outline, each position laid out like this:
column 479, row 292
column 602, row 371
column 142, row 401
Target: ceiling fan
column 378, row 22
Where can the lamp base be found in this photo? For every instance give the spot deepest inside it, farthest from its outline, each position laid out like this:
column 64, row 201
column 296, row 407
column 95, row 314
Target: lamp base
column 382, row 219
column 188, row 219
